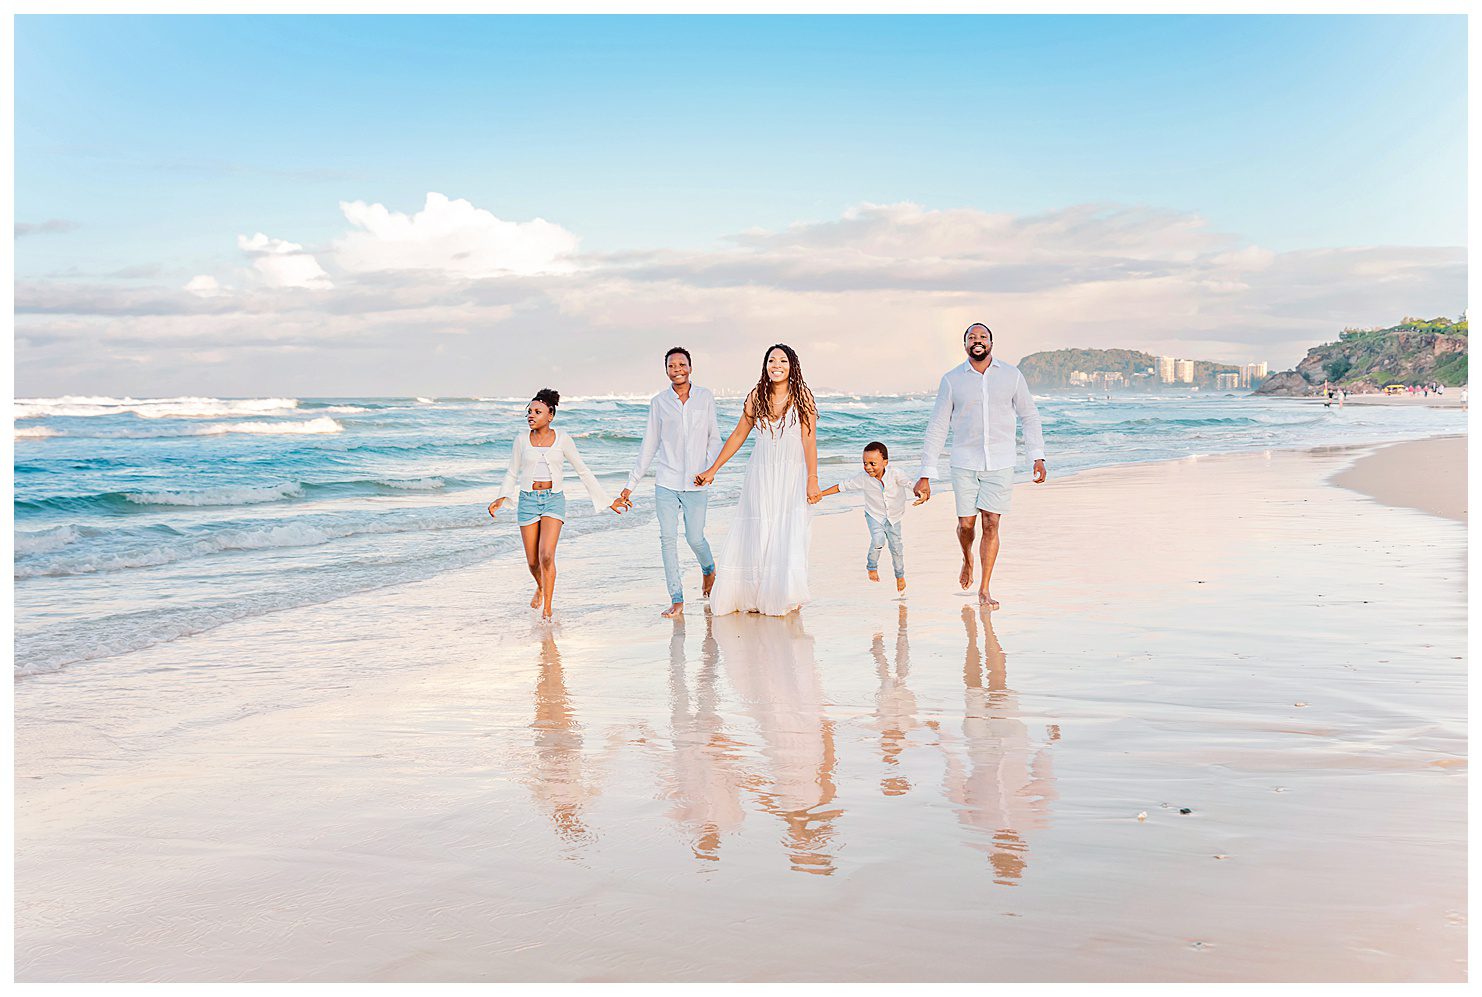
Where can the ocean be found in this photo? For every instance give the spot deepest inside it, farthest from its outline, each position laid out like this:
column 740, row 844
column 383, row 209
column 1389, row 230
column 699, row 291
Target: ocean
column 139, row 521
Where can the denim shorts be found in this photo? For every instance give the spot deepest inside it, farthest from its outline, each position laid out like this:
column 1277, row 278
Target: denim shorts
column 535, row 504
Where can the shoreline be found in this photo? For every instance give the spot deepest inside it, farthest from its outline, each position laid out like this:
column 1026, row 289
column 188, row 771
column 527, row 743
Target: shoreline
column 404, row 785
column 1451, row 399
column 1386, row 474
column 580, row 526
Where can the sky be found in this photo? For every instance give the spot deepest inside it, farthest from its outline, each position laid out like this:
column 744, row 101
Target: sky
column 460, row 206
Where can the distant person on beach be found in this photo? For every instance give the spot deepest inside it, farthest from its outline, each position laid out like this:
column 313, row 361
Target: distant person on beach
column 886, row 491
column 681, row 440
column 766, row 552
column 979, row 402
column 535, row 466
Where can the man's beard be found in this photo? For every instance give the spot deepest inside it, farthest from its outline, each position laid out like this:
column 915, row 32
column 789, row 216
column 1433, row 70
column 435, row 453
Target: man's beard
column 978, row 350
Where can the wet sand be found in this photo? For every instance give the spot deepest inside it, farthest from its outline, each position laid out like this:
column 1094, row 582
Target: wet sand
column 406, row 785
column 1429, row 475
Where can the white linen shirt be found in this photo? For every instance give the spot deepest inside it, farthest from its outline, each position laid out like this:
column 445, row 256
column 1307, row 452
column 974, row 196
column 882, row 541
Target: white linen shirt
column 885, row 498
column 980, row 410
column 681, row 439
column 528, row 464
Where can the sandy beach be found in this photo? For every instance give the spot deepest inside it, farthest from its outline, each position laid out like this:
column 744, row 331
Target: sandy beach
column 1451, row 399
column 1216, row 732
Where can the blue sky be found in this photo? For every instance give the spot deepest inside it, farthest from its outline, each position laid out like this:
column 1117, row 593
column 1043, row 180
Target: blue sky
column 159, row 140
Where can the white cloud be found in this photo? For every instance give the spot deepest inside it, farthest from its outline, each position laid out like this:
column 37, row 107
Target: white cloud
column 283, row 264
column 204, row 285
column 451, row 236
column 874, row 300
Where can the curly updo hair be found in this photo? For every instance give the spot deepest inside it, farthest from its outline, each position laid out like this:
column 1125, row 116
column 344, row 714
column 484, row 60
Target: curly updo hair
column 549, row 397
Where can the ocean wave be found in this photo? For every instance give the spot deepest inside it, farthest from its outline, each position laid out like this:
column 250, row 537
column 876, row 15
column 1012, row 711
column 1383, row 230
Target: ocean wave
column 414, row 484
column 84, row 406
column 324, row 425
column 608, row 435
column 44, row 541
column 264, row 536
column 34, row 433
column 220, row 496
column 125, row 503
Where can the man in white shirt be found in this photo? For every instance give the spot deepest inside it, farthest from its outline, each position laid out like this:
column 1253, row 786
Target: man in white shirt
column 681, row 440
column 979, row 402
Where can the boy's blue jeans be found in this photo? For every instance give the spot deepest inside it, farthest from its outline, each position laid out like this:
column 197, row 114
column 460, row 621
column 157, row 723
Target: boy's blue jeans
column 668, row 504
column 884, row 532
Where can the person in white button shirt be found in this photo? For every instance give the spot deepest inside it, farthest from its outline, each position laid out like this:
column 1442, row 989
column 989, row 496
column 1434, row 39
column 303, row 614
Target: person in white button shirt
column 681, row 440
column 979, row 402
column 886, row 491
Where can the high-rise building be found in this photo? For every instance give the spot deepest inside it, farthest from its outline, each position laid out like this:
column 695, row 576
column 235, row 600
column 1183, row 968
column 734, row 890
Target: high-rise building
column 1252, row 374
column 1165, row 369
column 1183, row 371
column 1227, row 379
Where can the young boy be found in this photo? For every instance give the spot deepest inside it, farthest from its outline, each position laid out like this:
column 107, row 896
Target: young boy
column 886, row 492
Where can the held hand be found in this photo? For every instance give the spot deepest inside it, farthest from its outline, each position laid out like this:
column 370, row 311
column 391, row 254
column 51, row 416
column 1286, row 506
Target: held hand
column 621, row 504
column 704, row 477
column 1040, row 474
column 814, row 495
column 494, row 506
column 922, row 490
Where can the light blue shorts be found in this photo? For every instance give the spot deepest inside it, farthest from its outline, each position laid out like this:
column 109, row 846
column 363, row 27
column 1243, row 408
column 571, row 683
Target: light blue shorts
column 535, row 504
column 988, row 491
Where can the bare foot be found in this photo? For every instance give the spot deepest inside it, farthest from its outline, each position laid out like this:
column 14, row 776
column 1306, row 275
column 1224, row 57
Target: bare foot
column 965, row 579
column 535, row 600
column 874, row 575
column 709, row 583
column 900, row 584
column 547, row 618
column 675, row 610
column 987, row 601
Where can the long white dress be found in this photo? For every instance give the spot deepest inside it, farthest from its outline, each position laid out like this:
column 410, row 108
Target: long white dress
column 764, row 566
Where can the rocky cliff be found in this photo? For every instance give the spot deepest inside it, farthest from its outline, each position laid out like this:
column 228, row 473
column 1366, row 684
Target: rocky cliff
column 1416, row 351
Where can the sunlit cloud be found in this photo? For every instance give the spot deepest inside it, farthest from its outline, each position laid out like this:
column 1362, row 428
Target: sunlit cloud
column 283, row 264
column 874, row 300
column 450, row 237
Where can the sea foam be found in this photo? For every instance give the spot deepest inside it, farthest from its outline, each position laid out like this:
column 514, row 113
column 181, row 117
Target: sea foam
column 221, row 496
column 80, row 406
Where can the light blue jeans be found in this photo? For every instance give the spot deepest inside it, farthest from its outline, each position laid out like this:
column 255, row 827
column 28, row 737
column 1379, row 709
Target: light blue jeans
column 669, row 503
column 882, row 533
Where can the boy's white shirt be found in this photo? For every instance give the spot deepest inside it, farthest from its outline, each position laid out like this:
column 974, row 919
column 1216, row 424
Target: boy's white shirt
column 886, row 497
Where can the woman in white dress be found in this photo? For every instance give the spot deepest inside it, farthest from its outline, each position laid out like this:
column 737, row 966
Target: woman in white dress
column 764, row 567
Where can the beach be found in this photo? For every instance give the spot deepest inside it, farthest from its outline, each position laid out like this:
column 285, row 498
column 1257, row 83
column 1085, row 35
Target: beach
column 400, row 785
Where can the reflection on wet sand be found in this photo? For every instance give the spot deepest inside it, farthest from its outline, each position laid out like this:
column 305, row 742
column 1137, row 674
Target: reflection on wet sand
column 557, row 779
column 999, row 789
column 705, row 779
column 770, row 664
column 895, row 706
column 773, row 748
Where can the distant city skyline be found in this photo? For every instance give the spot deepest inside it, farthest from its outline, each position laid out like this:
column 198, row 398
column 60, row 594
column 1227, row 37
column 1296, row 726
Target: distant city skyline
column 260, row 205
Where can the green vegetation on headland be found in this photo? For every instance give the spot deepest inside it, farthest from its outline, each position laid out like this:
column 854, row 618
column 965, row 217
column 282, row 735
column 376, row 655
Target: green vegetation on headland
column 1363, row 361
column 1056, row 369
